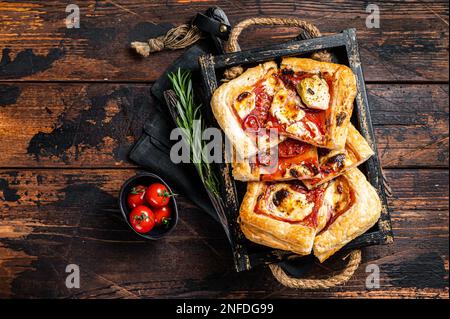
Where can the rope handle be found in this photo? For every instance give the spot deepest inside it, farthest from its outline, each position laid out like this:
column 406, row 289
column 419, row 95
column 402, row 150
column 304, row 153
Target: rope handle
column 232, row 44
column 312, row 284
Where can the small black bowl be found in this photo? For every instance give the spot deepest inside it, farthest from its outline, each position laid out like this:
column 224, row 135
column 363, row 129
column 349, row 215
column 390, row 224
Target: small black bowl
column 146, row 179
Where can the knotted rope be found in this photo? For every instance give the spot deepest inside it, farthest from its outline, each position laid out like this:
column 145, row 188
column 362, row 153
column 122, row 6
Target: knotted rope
column 179, row 37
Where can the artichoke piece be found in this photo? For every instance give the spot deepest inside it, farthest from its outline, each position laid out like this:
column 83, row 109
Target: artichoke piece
column 314, row 92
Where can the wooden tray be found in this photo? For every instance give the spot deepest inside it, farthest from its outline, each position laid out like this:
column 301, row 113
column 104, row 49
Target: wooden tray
column 344, row 47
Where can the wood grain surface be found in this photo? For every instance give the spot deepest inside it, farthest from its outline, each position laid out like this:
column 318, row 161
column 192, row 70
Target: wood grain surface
column 55, row 217
column 410, row 45
column 73, row 102
column 94, row 125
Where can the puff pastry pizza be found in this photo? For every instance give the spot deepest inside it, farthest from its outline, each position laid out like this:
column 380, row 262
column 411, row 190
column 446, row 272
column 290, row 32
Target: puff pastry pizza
column 304, row 99
column 316, row 102
column 288, row 216
column 241, row 105
column 298, row 160
column 333, row 163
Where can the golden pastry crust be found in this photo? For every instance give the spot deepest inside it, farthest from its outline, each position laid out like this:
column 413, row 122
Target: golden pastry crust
column 359, row 218
column 356, row 152
column 270, row 232
column 243, row 171
column 343, row 92
column 265, row 230
column 222, row 104
column 348, row 207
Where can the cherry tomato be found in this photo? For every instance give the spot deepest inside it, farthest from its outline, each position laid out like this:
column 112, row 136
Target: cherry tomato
column 136, row 196
column 142, row 219
column 157, row 195
column 162, row 215
column 251, row 122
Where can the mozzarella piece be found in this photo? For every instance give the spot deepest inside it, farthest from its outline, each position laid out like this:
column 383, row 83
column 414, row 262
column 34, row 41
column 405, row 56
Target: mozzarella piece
column 314, row 92
column 285, row 107
column 288, row 204
column 271, row 85
column 299, row 129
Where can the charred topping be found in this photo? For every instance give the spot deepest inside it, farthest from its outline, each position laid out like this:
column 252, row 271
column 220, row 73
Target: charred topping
column 293, row 172
column 340, row 189
column 310, row 91
column 323, row 151
column 243, row 95
column 279, row 196
column 287, row 71
column 314, row 169
column 337, row 159
column 340, row 118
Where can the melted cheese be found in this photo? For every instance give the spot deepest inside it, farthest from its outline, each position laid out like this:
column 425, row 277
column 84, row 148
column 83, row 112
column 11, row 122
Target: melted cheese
column 292, row 207
column 337, row 199
column 245, row 102
column 271, row 85
column 299, row 129
column 314, row 92
column 285, row 107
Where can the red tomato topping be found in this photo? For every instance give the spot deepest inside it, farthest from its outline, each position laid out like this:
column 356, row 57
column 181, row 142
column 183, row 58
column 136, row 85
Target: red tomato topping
column 291, row 148
column 251, row 122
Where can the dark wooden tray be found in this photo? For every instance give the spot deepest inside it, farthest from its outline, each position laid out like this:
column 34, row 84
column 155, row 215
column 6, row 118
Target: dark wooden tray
column 345, row 49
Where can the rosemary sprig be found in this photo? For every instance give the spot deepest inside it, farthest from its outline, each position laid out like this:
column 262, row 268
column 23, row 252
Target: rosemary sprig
column 189, row 119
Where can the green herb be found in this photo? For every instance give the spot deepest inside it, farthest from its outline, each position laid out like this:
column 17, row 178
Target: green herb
column 190, row 120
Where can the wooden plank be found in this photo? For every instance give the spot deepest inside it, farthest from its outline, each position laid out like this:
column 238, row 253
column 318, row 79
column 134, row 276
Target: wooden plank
column 51, row 218
column 94, row 125
column 410, row 45
column 60, row 124
column 411, row 124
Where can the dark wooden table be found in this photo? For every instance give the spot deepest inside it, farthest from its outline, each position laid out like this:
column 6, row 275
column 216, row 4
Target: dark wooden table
column 73, row 101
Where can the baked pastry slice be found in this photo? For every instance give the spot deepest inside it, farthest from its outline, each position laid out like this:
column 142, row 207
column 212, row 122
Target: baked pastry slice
column 288, row 216
column 291, row 159
column 333, row 163
column 283, row 215
column 354, row 208
column 241, row 105
column 315, row 103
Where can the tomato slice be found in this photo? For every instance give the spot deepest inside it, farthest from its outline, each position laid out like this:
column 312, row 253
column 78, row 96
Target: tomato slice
column 251, row 122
